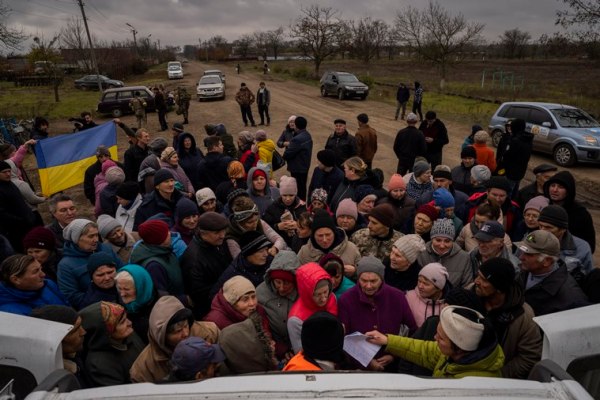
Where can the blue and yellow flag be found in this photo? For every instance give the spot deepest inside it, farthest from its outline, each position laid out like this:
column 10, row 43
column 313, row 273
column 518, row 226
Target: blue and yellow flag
column 62, row 160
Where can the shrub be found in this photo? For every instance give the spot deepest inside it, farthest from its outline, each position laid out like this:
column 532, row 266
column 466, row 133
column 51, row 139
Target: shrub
column 367, row 80
column 139, row 67
column 277, row 68
column 301, row 73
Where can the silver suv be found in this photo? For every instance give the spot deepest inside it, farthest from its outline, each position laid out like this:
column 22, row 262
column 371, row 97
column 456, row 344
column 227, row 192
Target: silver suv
column 342, row 85
column 568, row 133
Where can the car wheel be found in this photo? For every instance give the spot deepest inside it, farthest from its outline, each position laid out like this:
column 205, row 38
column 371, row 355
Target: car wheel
column 496, row 136
column 323, row 91
column 117, row 113
column 564, row 155
column 341, row 94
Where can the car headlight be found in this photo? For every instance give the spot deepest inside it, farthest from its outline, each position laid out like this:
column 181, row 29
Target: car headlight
column 590, row 140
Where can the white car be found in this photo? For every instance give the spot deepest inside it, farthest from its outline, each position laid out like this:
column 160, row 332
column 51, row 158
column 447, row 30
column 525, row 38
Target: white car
column 175, row 71
column 215, row 72
column 210, row 87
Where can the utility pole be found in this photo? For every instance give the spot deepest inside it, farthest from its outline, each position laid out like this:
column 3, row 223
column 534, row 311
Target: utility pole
column 134, row 31
column 92, row 53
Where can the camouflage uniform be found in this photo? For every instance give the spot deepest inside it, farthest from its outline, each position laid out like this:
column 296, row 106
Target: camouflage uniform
column 138, row 105
column 182, row 99
column 374, row 246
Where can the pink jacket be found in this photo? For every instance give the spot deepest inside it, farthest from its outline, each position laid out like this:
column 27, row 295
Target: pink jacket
column 423, row 308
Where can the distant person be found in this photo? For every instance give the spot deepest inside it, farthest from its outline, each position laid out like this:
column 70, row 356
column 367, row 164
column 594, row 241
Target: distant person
column 418, row 100
column 83, row 123
column 341, row 142
column 436, row 137
column 515, row 160
column 182, row 99
column 366, row 140
column 263, row 100
column 402, row 97
column 409, row 143
column 298, row 154
column 161, row 108
column 245, row 99
column 138, row 105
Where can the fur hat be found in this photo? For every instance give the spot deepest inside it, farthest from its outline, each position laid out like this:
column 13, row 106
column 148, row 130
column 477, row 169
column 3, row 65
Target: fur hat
column 410, row 246
column 107, row 224
column 370, row 264
column 153, row 232
column 443, row 228
column 288, row 186
column 436, row 273
column 347, row 207
column 234, row 288
column 396, row 182
column 462, row 331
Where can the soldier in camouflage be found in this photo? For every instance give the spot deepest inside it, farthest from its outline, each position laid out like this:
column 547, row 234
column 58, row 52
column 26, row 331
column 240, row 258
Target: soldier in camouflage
column 182, row 99
column 138, row 105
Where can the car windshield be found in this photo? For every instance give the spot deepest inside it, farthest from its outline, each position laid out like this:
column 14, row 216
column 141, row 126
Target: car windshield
column 574, row 118
column 209, row 80
column 174, row 68
column 347, row 78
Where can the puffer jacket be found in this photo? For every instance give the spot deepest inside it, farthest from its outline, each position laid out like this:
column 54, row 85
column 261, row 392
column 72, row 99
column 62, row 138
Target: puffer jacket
column 456, row 261
column 265, row 153
column 22, row 302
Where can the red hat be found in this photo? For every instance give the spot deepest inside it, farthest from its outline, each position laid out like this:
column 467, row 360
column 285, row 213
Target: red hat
column 154, row 232
column 257, row 173
column 428, row 210
column 39, row 238
column 283, row 275
column 396, row 182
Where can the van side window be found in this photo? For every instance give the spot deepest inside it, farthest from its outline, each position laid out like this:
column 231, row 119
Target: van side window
column 127, row 94
column 110, row 96
column 144, row 94
column 538, row 117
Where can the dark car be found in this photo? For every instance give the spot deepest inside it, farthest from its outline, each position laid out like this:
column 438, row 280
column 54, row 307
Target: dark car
column 116, row 101
column 343, row 85
column 91, row 82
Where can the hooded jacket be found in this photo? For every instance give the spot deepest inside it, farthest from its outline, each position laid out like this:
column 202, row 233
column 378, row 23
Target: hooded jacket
column 516, row 157
column 22, row 302
column 510, row 210
column 224, row 314
column 189, row 160
column 456, row 261
column 341, row 247
column 107, row 362
column 581, row 223
column 271, row 193
column 422, row 308
column 152, row 365
column 179, row 175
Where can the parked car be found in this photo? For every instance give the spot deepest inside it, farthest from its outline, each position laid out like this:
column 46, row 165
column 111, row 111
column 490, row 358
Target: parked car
column 215, row 72
column 568, row 133
column 210, row 87
column 343, row 85
column 116, row 101
column 91, row 82
column 175, row 71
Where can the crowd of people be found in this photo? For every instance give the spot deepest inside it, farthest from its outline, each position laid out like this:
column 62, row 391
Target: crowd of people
column 201, row 263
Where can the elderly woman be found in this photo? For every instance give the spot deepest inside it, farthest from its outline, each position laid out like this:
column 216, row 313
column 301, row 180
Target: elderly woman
column 102, row 269
column 137, row 295
column 41, row 244
column 112, row 345
column 424, row 219
column 81, row 241
column 186, row 219
column 401, row 267
column 169, row 160
column 23, row 286
column 288, row 133
column 427, row 298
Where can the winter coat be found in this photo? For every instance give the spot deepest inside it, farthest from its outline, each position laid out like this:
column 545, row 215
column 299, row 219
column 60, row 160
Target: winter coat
column 17, row 301
column 95, row 294
column 153, row 203
column 133, row 158
column 213, row 170
column 341, row 247
column 576, row 254
column 511, row 212
column 16, row 217
column 73, row 276
column 153, row 363
column 456, row 261
column 346, row 190
column 404, row 211
column 108, row 200
column 344, row 147
column 403, row 94
column 328, row 181
column 179, row 175
column 264, row 98
column 286, row 136
column 515, row 159
column 409, row 144
column 107, row 362
column 423, row 308
column 275, row 211
column 223, row 314
column 190, row 159
column 486, row 362
column 404, row 280
column 126, row 216
column 298, row 153
column 485, row 156
column 438, row 132
column 366, row 143
column 244, row 97
column 461, row 178
column 241, row 266
column 379, row 247
column 415, row 190
column 202, row 264
column 271, row 193
column 466, row 238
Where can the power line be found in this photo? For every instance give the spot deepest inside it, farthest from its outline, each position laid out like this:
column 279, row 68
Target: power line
column 38, row 15
column 53, row 8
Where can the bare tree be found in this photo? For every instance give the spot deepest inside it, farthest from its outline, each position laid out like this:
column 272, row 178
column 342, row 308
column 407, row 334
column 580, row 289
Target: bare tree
column 9, row 38
column 368, row 38
column 316, row 31
column 72, row 36
column 243, row 45
column 274, row 40
column 260, row 41
column 514, row 43
column 436, row 36
column 557, row 45
column 344, row 38
column 580, row 12
column 47, row 55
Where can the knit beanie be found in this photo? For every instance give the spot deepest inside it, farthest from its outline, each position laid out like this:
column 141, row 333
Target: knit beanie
column 384, row 213
column 463, row 332
column 288, row 186
column 468, row 152
column 167, row 153
column 331, row 260
column 363, row 191
column 115, row 176
column 443, row 198
column 260, row 136
column 481, row 137
column 158, row 145
column 99, row 259
column 184, row 208
column 481, row 173
column 420, row 167
column 111, row 315
column 107, row 224
column 234, row 288
column 162, row 175
column 370, row 264
column 442, row 171
column 39, row 238
column 500, row 272
column 205, row 194
column 537, row 203
column 235, row 170
column 555, row 215
column 396, row 182
column 428, row 210
column 153, row 232
column 128, row 190
column 107, row 164
column 443, row 228
column 253, row 241
column 499, row 182
column 246, row 136
column 322, row 219
column 319, row 195
column 63, row 314
column 326, row 157
column 72, row 232
column 475, row 128
column 258, row 172
column 322, row 337
column 347, row 207
column 436, row 273
column 212, row 222
column 410, row 246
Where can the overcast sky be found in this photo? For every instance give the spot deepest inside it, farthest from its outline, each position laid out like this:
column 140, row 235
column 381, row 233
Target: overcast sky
column 179, row 22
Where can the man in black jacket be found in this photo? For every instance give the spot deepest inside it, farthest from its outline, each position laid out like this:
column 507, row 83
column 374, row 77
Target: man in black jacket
column 161, row 108
column 513, row 162
column 298, row 154
column 342, row 143
column 402, row 97
column 135, row 154
column 436, row 137
column 409, row 144
column 212, row 170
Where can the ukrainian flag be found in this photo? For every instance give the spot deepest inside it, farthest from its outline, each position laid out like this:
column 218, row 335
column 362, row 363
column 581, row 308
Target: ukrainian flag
column 62, row 160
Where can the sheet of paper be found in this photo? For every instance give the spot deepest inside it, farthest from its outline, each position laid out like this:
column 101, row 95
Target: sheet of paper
column 356, row 345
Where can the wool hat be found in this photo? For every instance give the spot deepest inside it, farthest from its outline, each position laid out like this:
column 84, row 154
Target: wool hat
column 4, row 166
column 193, row 355
column 63, row 314
column 153, row 232
column 99, row 259
column 540, row 242
column 396, row 182
column 167, row 153
column 412, row 117
column 499, row 182
column 428, row 210
column 555, row 215
column 205, row 194
column 162, row 175
column 370, row 264
column 260, row 135
column 282, row 274
column 253, row 241
column 481, row 173
column 500, row 272
column 481, row 136
column 443, row 198
column 246, row 136
column 347, row 207
column 212, row 222
column 178, row 127
column 326, row 157
column 39, row 238
column 443, row 228
column 468, row 152
column 257, row 173
column 537, row 203
column 363, row 191
column 490, row 230
column 384, row 213
column 111, row 315
column 288, row 186
column 184, row 208
column 107, row 224
column 462, row 331
column 475, row 128
column 544, row 168
column 115, row 176
column 301, row 122
column 73, row 231
column 234, row 288
column 322, row 337
column 235, row 170
column 234, row 194
column 291, row 118
column 102, row 150
column 436, row 273
column 410, row 246
column 106, row 164
column 157, row 145
column 128, row 190
column 319, row 194
column 322, row 219
column 420, row 167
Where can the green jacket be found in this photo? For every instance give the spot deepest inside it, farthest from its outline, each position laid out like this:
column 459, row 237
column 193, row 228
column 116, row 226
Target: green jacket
column 427, row 354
